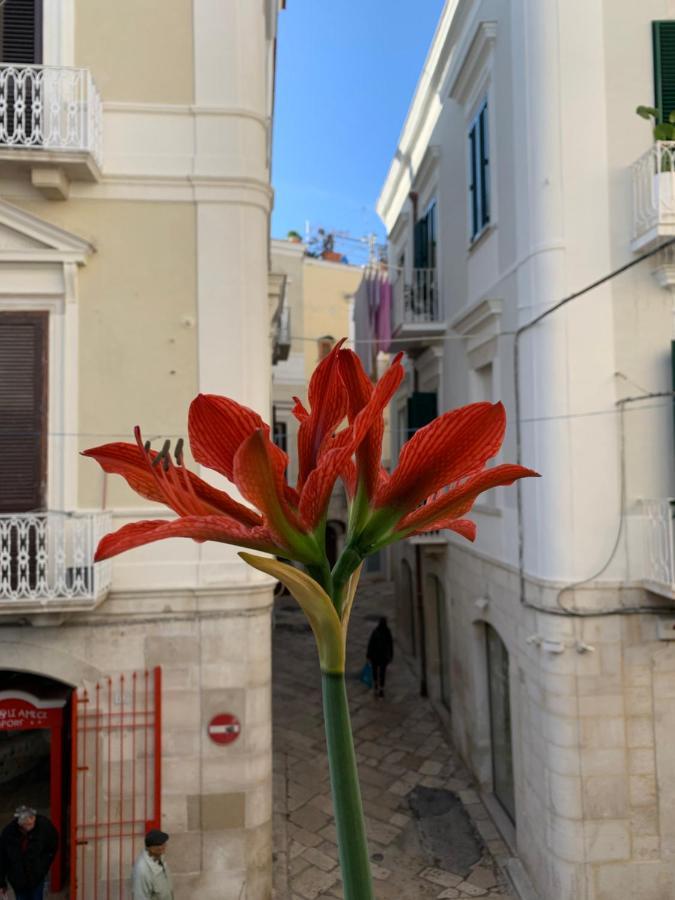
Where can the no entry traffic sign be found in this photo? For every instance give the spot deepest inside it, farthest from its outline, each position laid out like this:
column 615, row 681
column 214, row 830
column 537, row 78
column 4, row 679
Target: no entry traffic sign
column 224, row 728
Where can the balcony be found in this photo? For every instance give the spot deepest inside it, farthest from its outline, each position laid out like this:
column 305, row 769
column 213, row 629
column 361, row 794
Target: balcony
column 434, row 539
column 654, row 197
column 46, row 562
column 51, row 124
column 659, row 546
column 418, row 318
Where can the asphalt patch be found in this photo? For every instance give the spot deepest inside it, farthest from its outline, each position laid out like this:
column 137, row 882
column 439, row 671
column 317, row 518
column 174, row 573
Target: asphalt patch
column 446, row 831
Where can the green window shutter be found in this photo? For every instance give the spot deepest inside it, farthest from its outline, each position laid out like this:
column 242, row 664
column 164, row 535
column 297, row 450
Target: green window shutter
column 422, row 409
column 663, row 37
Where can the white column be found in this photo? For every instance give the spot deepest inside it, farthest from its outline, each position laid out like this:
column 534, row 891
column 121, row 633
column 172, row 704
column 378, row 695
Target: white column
column 567, row 362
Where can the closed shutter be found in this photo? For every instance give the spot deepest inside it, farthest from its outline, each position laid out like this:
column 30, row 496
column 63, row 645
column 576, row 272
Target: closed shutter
column 21, row 25
column 23, row 409
column 663, row 35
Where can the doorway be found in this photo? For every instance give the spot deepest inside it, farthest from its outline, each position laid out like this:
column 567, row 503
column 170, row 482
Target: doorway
column 35, row 754
column 500, row 722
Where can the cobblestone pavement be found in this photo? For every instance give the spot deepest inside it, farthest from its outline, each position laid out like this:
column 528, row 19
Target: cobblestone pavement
column 401, row 749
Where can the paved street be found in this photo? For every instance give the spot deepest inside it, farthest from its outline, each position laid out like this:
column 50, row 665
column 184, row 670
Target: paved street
column 429, row 834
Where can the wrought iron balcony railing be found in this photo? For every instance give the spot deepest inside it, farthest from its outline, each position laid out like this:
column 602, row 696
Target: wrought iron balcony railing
column 50, row 108
column 654, row 196
column 416, row 298
column 418, row 316
column 659, row 546
column 47, row 557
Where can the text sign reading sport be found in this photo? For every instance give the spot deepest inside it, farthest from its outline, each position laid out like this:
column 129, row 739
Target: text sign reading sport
column 19, row 715
column 224, row 728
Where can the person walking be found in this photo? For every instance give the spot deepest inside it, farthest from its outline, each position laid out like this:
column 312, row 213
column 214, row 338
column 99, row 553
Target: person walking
column 151, row 879
column 28, row 846
column 380, row 653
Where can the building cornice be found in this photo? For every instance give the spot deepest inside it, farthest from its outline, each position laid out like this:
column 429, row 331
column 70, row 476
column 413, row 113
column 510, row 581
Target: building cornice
column 426, row 106
column 473, row 62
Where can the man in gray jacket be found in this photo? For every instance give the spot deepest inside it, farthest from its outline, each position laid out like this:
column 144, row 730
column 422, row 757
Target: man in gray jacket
column 151, row 879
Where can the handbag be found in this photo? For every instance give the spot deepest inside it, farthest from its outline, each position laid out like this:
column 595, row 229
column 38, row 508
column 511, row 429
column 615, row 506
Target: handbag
column 366, row 675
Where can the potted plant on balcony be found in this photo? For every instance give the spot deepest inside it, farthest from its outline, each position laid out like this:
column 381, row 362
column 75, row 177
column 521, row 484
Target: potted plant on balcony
column 663, row 187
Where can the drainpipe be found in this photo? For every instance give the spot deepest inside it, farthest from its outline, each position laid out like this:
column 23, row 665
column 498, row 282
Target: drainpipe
column 424, row 689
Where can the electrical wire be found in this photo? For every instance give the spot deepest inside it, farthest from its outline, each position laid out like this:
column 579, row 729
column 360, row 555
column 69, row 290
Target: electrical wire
column 561, row 609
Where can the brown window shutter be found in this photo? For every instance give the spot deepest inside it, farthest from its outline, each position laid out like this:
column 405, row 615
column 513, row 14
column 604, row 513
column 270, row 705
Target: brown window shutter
column 21, row 31
column 23, row 410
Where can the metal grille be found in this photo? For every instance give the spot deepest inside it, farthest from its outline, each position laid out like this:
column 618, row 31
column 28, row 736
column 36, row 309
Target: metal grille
column 115, row 783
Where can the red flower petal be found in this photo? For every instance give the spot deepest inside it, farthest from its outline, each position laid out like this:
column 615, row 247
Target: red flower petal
column 327, row 399
column 338, row 450
column 359, row 392
column 299, row 410
column 259, row 473
column 199, row 528
column 129, row 461
column 446, row 508
column 217, row 427
column 455, row 445
column 465, row 527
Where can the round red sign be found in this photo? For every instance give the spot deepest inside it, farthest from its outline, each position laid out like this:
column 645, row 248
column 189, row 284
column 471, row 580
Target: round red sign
column 224, row 728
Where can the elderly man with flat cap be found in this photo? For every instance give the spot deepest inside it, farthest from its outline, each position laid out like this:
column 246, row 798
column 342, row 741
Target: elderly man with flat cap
column 151, row 879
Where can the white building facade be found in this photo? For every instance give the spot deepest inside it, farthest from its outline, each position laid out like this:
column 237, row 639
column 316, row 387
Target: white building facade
column 135, row 198
column 520, row 179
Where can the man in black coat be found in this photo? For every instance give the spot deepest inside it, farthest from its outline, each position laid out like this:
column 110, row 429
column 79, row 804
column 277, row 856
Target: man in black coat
column 380, row 653
column 28, row 846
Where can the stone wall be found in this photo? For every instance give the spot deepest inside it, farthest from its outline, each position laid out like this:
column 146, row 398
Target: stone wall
column 215, row 654
column 593, row 719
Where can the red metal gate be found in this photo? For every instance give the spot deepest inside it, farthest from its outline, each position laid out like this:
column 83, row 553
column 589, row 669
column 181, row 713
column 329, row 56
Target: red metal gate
column 115, row 781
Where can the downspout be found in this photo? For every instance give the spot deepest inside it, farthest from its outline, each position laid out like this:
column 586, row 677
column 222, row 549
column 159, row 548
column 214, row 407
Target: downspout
column 424, row 688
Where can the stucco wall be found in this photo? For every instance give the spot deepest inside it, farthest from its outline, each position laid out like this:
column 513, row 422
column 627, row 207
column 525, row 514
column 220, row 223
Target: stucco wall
column 139, row 52
column 137, row 326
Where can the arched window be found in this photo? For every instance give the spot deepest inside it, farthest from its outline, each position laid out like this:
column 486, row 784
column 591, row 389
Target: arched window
column 500, row 721
column 407, row 605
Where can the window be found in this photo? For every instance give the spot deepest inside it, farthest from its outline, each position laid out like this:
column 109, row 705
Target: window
column 424, row 240
column 280, row 434
column 663, row 37
column 500, row 722
column 479, row 172
column 21, row 31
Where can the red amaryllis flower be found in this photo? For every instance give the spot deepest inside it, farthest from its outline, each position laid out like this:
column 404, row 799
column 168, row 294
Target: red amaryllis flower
column 234, row 441
column 440, row 473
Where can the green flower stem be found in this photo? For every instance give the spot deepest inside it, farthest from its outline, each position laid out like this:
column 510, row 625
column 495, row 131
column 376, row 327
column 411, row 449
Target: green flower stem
column 351, row 830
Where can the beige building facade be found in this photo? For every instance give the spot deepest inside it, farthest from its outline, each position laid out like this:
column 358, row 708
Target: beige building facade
column 319, row 299
column 548, row 644
column 134, row 239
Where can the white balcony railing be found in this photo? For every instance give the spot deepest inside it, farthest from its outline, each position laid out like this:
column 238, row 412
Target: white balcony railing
column 50, row 108
column 659, row 545
column 430, row 538
column 416, row 298
column 654, row 195
column 48, row 557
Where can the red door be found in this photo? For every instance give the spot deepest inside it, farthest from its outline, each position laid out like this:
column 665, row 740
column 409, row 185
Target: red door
column 115, row 783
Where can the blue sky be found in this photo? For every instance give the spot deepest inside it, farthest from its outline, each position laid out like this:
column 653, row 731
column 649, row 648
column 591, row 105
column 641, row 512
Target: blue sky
column 346, row 73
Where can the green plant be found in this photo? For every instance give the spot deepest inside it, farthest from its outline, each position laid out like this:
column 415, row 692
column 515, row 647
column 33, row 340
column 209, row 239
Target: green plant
column 663, row 131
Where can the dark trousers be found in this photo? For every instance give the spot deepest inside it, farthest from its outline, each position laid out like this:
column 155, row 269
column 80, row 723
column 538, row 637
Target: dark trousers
column 36, row 893
column 379, row 675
